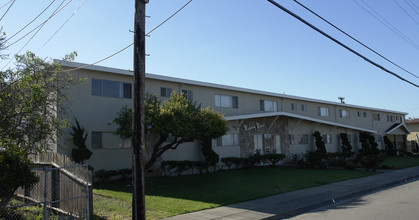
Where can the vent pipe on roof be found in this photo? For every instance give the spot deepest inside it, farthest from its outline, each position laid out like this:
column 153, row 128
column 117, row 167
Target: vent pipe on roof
column 341, row 100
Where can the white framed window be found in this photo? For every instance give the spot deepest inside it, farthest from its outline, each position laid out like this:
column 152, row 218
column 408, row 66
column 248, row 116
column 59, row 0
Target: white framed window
column 293, row 106
column 390, row 118
column 376, row 116
column 303, row 107
column 324, row 111
column 344, row 113
column 165, row 92
column 267, row 143
column 268, row 106
column 228, row 140
column 291, row 139
column 226, row 101
column 113, row 89
column 188, row 93
column 327, row 138
column 302, row 138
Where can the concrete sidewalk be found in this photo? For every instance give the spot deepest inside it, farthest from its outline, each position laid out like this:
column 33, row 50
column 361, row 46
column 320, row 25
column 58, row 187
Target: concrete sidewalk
column 295, row 202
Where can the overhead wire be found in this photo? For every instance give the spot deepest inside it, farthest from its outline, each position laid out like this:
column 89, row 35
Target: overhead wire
column 404, row 10
column 410, row 4
column 31, row 21
column 5, row 4
column 126, row 47
column 338, row 42
column 413, row 3
column 63, row 24
column 359, row 42
column 7, row 10
column 59, row 8
column 386, row 23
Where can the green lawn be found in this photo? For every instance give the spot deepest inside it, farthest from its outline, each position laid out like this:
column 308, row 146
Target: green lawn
column 399, row 162
column 168, row 196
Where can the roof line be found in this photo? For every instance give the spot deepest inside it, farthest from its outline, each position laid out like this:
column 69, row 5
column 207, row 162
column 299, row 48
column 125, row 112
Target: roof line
column 270, row 114
column 398, row 126
column 214, row 85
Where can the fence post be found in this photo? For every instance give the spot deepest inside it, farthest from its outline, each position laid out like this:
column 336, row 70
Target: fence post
column 45, row 217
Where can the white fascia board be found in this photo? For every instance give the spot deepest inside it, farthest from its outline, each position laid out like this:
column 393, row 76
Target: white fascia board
column 270, row 114
column 217, row 86
column 398, row 126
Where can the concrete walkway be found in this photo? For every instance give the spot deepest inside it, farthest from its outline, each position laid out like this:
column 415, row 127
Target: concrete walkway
column 295, row 202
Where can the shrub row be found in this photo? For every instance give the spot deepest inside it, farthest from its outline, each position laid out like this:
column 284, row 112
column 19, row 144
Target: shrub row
column 170, row 167
column 104, row 175
column 257, row 159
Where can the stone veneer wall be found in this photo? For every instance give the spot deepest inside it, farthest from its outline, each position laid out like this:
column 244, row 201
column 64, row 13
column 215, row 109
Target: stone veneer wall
column 250, row 127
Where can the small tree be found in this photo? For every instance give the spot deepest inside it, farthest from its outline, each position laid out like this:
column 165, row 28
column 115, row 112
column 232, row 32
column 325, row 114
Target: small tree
column 79, row 137
column 369, row 155
column 346, row 145
column 320, row 146
column 389, row 147
column 178, row 117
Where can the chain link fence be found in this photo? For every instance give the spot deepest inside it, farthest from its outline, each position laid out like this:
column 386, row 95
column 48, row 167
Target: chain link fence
column 61, row 193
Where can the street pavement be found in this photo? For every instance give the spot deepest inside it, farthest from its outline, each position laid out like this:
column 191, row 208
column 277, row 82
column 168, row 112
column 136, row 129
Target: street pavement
column 300, row 201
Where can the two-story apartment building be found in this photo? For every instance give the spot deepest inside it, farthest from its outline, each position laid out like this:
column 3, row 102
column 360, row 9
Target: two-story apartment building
column 257, row 120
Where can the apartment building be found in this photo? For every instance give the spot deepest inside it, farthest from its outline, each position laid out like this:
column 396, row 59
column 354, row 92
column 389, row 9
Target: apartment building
column 257, row 120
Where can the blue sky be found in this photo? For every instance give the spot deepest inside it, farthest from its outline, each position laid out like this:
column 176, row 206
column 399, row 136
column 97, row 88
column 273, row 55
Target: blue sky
column 244, row 43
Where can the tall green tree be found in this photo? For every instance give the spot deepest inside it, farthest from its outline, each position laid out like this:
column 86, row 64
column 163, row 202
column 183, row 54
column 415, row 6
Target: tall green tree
column 30, row 96
column 79, row 137
column 179, row 118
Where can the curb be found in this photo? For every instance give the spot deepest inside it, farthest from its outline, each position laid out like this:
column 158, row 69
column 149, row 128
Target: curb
column 342, row 198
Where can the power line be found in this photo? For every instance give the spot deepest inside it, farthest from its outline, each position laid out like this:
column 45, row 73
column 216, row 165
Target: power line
column 6, row 4
column 63, row 24
column 412, row 6
column 410, row 16
column 7, row 10
column 41, row 24
column 40, row 27
column 386, row 23
column 31, row 21
column 126, row 47
column 338, row 42
column 311, row 11
column 413, row 3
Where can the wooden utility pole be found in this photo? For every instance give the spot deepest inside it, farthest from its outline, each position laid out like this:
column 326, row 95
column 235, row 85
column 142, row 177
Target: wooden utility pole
column 138, row 142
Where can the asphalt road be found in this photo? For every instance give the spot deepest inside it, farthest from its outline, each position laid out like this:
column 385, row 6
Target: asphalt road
column 401, row 202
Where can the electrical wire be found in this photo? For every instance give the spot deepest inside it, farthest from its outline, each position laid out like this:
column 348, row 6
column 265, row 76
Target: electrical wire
column 5, row 4
column 338, row 42
column 126, row 47
column 413, row 3
column 410, row 16
column 41, row 24
column 412, row 6
column 7, row 10
column 386, row 23
column 59, row 8
column 63, row 24
column 31, row 21
column 337, row 28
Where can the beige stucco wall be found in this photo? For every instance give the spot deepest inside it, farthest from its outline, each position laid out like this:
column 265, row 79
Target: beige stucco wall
column 96, row 113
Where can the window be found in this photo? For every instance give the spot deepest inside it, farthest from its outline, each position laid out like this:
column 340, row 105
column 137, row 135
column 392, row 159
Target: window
column 365, row 114
column 302, row 138
column 291, row 139
column 359, row 114
column 188, row 93
column 390, row 118
column 327, row 138
column 226, row 101
column 228, row 140
column 108, row 140
column 165, row 92
column 96, row 140
column 324, row 111
column 267, row 143
column 344, row 113
column 268, row 106
column 114, row 89
column 375, row 116
column 293, row 106
column 303, row 107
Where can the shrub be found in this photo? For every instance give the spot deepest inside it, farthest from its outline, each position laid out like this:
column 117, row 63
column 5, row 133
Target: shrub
column 15, row 172
column 369, row 155
column 125, row 173
column 272, row 158
column 105, row 175
column 228, row 161
column 78, row 137
column 390, row 150
column 209, row 154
